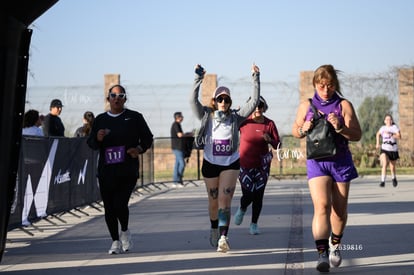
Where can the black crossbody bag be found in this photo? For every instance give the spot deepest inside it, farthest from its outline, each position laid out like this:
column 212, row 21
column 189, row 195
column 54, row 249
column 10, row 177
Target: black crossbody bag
column 320, row 140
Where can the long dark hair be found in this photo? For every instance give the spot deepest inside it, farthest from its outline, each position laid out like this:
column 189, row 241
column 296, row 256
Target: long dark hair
column 89, row 118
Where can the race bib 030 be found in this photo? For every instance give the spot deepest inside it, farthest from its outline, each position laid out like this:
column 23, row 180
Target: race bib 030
column 221, row 147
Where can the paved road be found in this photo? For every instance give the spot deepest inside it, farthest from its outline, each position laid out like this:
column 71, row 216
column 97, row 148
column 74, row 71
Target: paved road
column 171, row 228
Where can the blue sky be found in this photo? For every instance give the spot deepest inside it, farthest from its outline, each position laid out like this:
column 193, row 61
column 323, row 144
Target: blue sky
column 159, row 41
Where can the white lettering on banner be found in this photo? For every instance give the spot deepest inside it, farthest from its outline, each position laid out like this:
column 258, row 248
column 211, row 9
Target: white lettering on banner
column 28, row 199
column 82, row 173
column 41, row 195
column 65, row 177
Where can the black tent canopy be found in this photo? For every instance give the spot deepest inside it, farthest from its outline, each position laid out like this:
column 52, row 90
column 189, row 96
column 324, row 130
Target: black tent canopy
column 15, row 18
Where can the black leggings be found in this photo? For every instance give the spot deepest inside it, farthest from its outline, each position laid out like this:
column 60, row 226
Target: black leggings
column 115, row 195
column 255, row 197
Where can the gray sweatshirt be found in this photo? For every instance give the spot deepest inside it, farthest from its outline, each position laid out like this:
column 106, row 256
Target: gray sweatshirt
column 233, row 119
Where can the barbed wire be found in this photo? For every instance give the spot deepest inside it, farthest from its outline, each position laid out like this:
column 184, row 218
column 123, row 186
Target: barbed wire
column 158, row 102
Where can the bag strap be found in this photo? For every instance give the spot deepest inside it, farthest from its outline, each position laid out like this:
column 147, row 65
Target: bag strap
column 315, row 111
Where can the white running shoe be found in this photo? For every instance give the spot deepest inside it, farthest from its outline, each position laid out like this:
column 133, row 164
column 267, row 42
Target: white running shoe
column 223, row 244
column 335, row 257
column 177, row 185
column 115, row 248
column 126, row 240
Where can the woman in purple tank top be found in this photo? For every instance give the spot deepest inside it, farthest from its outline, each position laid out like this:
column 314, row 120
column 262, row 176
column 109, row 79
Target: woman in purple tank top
column 329, row 178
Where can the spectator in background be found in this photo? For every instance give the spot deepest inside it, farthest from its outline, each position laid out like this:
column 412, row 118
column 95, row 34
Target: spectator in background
column 388, row 133
column 179, row 147
column 85, row 129
column 31, row 123
column 52, row 124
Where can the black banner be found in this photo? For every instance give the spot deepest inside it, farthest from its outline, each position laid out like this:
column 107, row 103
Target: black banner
column 55, row 175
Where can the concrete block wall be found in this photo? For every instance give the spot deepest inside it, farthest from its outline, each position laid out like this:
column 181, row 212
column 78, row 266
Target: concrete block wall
column 208, row 87
column 306, row 91
column 109, row 81
column 405, row 108
column 164, row 158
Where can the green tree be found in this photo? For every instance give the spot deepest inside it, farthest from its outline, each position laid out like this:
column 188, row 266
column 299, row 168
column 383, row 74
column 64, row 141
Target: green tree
column 371, row 114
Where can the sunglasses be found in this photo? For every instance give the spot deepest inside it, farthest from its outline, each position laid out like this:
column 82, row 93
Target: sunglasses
column 121, row 95
column 221, row 98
